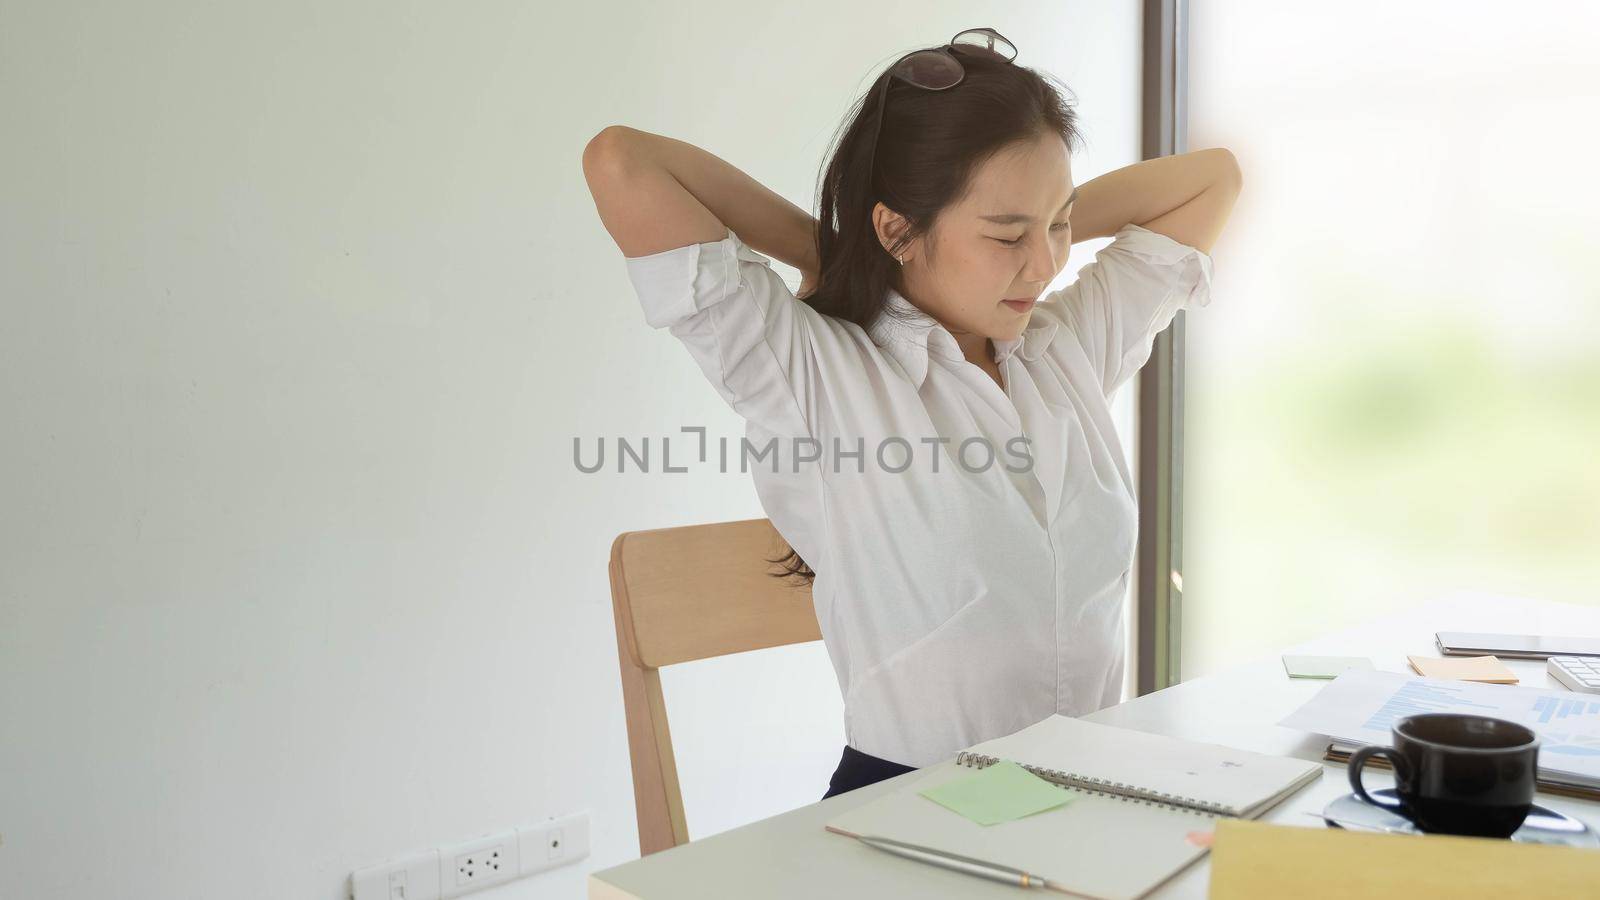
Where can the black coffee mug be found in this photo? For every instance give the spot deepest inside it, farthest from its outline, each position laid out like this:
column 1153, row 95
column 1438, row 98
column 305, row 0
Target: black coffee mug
column 1458, row 774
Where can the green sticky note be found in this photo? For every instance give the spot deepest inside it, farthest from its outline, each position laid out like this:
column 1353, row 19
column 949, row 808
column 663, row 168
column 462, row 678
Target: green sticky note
column 998, row 793
column 1322, row 666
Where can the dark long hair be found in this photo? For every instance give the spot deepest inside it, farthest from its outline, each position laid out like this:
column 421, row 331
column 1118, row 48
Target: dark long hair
column 930, row 145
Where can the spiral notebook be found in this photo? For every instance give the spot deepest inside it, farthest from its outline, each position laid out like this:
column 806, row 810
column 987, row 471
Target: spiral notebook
column 1143, row 808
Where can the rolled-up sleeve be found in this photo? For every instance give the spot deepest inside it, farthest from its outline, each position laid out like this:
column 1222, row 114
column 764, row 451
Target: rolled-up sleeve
column 1129, row 294
column 747, row 331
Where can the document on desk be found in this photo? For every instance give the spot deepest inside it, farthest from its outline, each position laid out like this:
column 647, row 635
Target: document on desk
column 1359, row 706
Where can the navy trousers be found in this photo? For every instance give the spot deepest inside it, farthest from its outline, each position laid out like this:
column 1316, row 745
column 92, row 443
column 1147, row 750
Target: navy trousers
column 857, row 769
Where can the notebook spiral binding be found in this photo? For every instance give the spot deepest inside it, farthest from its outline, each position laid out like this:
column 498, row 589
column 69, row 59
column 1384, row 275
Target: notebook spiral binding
column 1113, row 789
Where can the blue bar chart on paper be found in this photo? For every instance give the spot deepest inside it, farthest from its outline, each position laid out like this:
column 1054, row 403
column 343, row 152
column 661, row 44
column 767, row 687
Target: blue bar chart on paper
column 1553, row 718
column 1415, row 697
column 1550, row 709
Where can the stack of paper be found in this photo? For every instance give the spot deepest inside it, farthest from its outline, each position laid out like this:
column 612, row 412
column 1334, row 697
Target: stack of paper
column 1359, row 707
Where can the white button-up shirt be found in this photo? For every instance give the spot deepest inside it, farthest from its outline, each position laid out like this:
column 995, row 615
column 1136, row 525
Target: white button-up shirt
column 958, row 602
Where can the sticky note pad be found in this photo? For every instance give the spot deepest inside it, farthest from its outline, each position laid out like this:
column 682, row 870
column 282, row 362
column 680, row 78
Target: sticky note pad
column 1487, row 669
column 1260, row 861
column 998, row 793
column 1323, row 666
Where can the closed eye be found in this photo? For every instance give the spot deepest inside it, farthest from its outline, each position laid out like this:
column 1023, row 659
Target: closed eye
column 1015, row 242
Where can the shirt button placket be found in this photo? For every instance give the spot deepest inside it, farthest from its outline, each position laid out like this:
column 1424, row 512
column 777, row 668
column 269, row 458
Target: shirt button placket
column 1055, row 599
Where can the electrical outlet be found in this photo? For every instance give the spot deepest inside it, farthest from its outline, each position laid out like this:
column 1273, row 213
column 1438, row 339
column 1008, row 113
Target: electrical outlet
column 478, row 863
column 554, row 842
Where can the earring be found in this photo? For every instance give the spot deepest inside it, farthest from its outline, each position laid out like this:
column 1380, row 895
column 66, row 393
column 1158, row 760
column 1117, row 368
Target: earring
column 901, row 259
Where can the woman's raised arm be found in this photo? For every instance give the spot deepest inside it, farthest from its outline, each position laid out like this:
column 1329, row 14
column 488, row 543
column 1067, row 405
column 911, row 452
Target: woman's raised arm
column 699, row 237
column 655, row 193
column 1186, row 196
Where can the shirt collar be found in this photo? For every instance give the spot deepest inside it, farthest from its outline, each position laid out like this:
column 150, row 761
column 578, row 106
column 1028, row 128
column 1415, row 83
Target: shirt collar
column 910, row 335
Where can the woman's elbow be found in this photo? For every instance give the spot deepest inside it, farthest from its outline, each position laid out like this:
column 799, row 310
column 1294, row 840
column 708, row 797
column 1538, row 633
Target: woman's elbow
column 608, row 151
column 1228, row 165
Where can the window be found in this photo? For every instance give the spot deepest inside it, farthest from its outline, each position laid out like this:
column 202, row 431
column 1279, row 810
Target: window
column 1397, row 391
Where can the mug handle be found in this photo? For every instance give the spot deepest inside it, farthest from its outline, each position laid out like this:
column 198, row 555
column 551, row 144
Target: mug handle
column 1359, row 759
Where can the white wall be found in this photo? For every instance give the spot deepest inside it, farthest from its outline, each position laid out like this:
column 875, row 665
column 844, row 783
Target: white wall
column 304, row 304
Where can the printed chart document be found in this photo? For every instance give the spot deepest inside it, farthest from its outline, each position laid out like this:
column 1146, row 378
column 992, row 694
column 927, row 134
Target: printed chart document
column 1359, row 707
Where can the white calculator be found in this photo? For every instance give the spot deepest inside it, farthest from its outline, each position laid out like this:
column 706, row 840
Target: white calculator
column 1580, row 673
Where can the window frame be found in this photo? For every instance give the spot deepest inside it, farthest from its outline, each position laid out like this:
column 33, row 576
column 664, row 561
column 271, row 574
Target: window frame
column 1158, row 566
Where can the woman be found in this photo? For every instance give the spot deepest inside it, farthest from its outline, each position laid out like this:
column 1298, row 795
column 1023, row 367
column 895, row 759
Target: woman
column 958, row 601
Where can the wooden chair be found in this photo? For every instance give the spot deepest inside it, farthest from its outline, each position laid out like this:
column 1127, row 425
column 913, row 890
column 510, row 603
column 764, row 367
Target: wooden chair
column 681, row 594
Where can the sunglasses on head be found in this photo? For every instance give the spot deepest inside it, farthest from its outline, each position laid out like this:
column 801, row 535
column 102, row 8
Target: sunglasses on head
column 939, row 69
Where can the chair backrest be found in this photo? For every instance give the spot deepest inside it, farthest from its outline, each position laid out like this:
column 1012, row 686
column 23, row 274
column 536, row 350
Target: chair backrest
column 681, row 594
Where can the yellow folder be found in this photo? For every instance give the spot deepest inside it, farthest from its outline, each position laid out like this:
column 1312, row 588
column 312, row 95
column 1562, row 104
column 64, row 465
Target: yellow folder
column 1257, row 861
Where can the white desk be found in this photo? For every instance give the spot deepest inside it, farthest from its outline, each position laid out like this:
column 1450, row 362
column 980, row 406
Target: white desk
column 791, row 856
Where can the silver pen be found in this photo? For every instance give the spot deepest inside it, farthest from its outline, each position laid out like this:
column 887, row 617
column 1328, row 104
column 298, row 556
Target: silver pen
column 978, row 867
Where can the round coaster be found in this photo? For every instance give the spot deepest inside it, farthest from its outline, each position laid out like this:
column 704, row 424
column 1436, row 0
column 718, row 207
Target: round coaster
column 1543, row 825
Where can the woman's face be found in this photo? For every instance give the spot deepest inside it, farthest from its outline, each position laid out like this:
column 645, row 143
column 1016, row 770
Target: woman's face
column 1004, row 241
